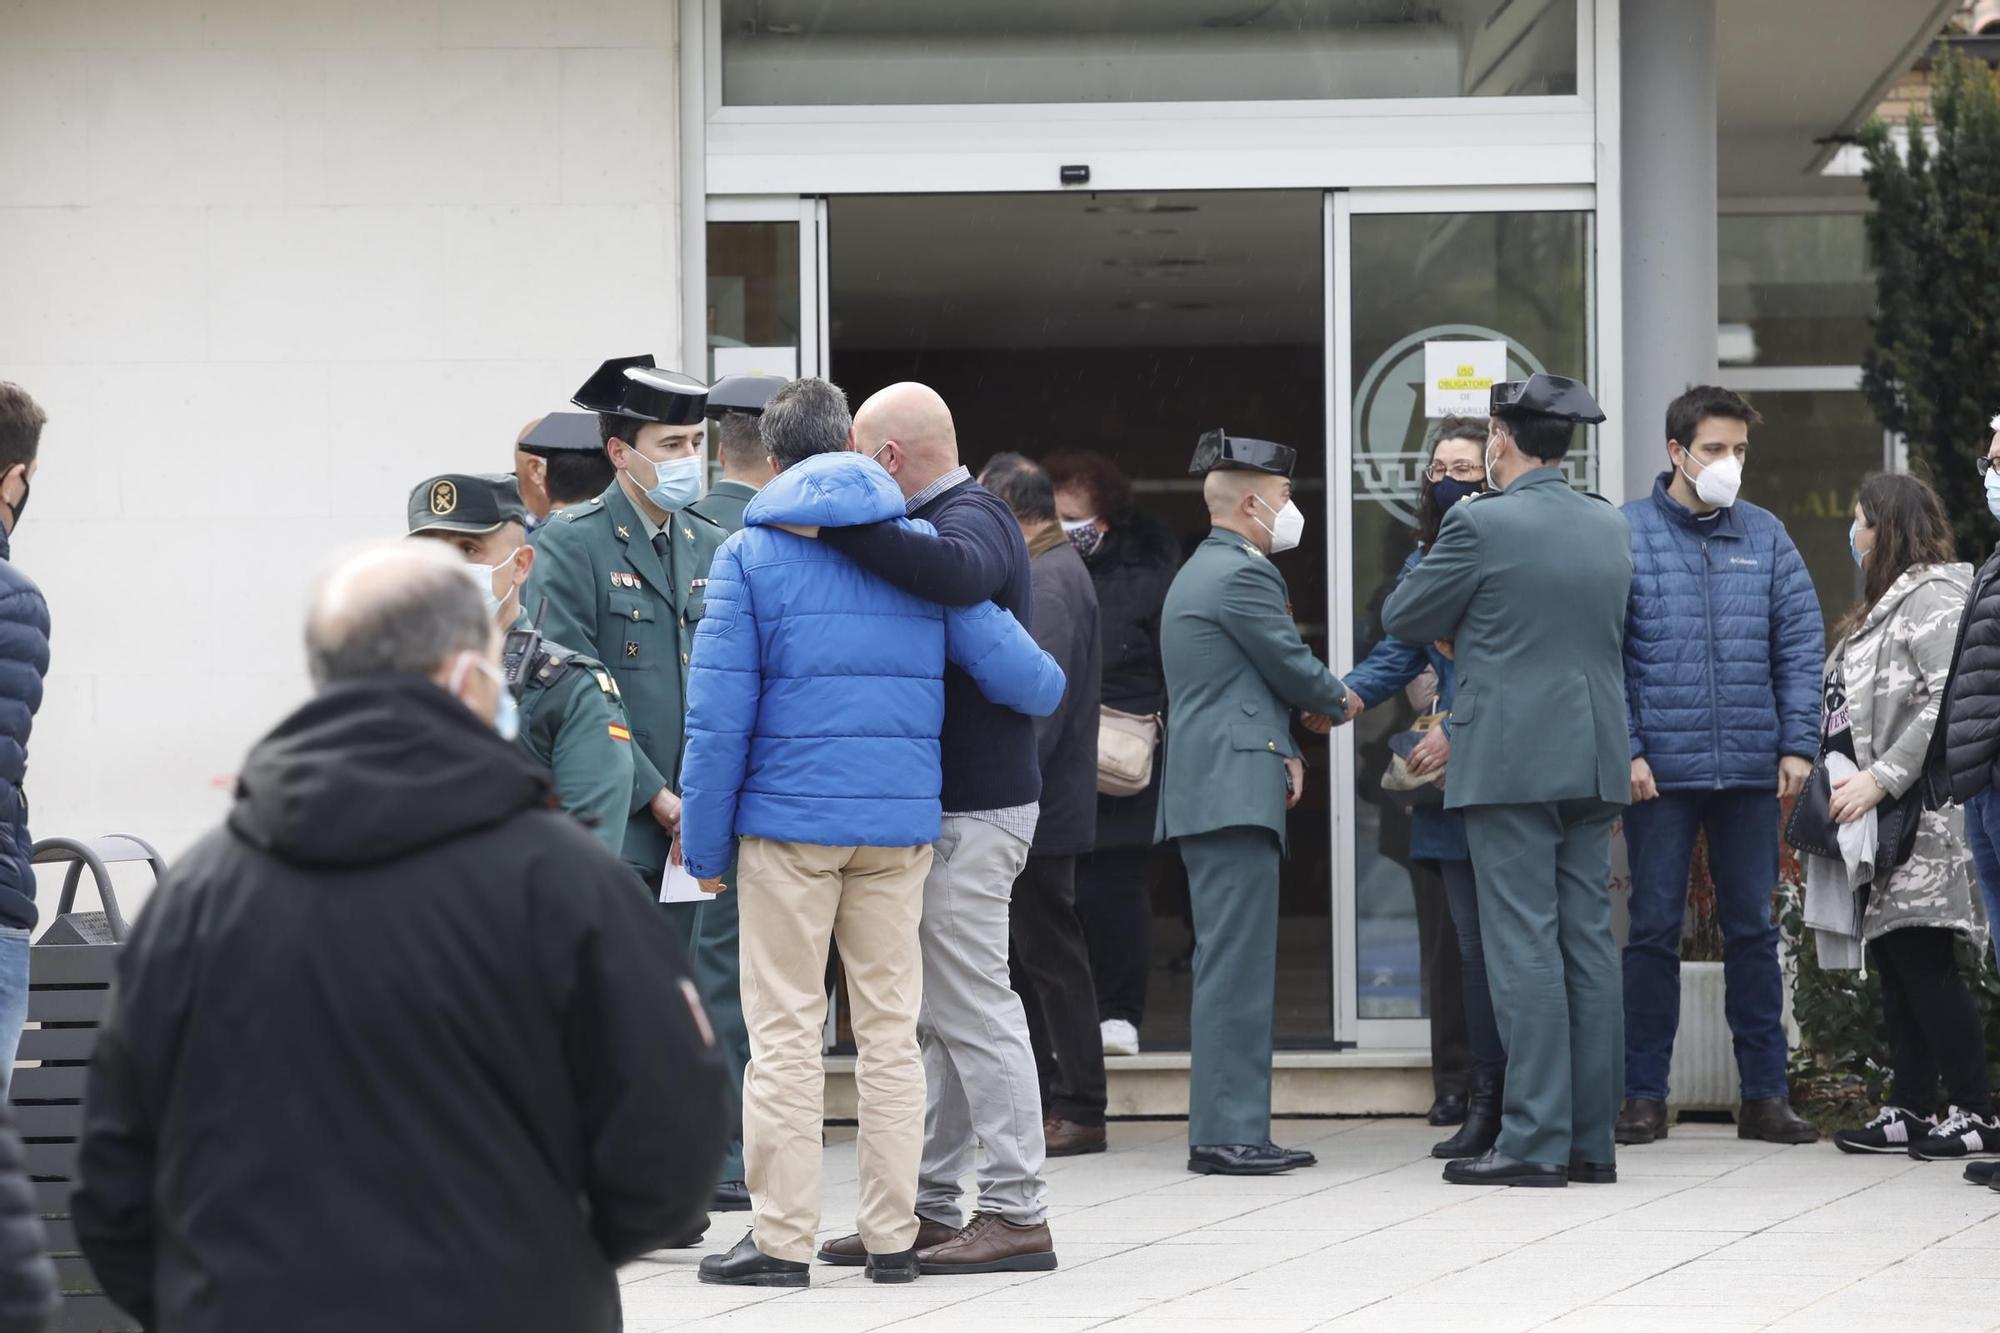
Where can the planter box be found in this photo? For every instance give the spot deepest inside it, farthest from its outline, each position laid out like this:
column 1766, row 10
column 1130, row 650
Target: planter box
column 1703, row 1074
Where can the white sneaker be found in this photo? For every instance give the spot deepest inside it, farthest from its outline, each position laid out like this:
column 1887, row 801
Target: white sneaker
column 1120, row 1037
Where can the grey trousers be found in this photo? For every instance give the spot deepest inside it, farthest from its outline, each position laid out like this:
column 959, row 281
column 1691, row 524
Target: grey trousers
column 978, row 1063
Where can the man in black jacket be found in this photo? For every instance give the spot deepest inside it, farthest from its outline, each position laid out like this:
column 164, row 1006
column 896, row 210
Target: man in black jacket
column 400, row 1047
column 24, row 660
column 1051, row 962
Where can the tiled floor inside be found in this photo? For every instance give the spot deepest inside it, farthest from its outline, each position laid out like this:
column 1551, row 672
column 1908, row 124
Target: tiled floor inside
column 1703, row 1232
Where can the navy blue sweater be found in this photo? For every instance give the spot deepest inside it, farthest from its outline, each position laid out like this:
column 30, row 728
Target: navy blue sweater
column 978, row 553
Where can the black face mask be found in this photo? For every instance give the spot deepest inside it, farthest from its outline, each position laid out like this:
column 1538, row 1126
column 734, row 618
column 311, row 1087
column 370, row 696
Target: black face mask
column 20, row 507
column 1449, row 491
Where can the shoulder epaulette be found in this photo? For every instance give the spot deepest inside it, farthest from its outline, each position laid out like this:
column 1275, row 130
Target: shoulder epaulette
column 575, row 512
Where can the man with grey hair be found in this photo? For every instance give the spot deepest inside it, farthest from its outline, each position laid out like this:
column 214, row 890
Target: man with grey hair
column 400, row 983
column 814, row 705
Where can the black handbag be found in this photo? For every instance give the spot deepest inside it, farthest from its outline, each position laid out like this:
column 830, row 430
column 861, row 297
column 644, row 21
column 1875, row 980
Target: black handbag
column 1812, row 830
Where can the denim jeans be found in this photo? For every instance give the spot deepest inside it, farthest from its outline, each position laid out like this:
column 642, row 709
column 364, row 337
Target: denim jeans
column 1742, row 828
column 13, row 997
column 1982, row 830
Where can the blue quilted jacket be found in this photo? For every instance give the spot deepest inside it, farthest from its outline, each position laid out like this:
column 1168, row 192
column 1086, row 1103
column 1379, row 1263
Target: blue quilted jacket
column 816, row 690
column 1723, row 645
column 24, row 660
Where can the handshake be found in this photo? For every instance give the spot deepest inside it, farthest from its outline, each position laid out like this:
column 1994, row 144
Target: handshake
column 1321, row 723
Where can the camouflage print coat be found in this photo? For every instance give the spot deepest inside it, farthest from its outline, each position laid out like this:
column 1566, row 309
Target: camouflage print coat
column 1893, row 669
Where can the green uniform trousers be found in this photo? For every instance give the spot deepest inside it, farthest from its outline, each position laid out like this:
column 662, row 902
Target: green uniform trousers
column 1545, row 914
column 1233, row 887
column 718, row 972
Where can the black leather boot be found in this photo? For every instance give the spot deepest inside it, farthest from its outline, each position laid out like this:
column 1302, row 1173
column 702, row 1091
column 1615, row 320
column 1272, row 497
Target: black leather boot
column 1482, row 1118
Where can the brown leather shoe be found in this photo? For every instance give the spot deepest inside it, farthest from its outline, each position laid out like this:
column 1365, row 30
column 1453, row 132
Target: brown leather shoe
column 849, row 1252
column 1066, row 1138
column 1773, row 1120
column 1641, row 1122
column 991, row 1244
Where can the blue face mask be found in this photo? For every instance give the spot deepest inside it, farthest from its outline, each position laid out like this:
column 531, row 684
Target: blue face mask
column 1853, row 530
column 507, row 714
column 1449, row 491
column 676, row 484
column 1993, row 493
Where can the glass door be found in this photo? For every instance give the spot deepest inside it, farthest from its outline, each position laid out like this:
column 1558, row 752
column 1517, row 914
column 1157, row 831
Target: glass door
column 1413, row 269
column 766, row 307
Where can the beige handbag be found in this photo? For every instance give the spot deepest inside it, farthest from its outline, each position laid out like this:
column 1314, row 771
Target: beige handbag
column 1126, row 743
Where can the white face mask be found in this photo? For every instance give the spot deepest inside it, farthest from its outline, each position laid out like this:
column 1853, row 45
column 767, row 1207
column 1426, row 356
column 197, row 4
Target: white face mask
column 1289, row 525
column 507, row 713
column 1072, row 526
column 1719, row 481
column 483, row 576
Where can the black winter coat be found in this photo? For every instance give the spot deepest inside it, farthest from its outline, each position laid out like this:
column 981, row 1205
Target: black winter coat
column 1132, row 567
column 1971, row 729
column 27, row 1278
column 400, row 1048
column 1066, row 740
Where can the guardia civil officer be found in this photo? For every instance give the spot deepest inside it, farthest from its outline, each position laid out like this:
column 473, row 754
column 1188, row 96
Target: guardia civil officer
column 561, row 458
column 736, row 405
column 1235, row 670
column 624, row 574
column 568, row 716
column 1528, row 584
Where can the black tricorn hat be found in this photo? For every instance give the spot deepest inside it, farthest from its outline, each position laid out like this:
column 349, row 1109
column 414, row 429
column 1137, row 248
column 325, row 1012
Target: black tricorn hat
column 1547, row 395
column 743, row 393
column 1219, row 451
column 563, row 433
column 631, row 386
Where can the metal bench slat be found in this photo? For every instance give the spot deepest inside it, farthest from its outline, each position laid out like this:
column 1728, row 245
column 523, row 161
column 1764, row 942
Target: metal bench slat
column 72, row 964
column 58, row 1043
column 50, row 1083
column 81, row 1004
column 52, row 1161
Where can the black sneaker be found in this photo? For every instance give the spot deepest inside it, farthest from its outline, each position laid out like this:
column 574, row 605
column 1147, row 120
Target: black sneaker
column 1983, row 1173
column 1893, row 1130
column 1960, row 1134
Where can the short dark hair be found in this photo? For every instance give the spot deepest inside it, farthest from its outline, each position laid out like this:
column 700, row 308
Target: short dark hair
column 21, row 422
column 808, row 416
column 611, row 426
column 1110, row 492
column 1540, row 437
column 739, row 441
column 1686, row 413
column 1023, row 484
column 575, row 477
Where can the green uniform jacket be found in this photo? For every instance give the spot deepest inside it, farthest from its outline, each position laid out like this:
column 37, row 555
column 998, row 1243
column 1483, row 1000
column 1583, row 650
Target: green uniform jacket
column 1236, row 668
column 724, row 504
column 1530, row 584
column 615, row 597
column 573, row 723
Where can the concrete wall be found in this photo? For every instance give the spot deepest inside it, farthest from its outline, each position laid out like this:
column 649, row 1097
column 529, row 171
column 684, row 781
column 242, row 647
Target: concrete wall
column 267, row 263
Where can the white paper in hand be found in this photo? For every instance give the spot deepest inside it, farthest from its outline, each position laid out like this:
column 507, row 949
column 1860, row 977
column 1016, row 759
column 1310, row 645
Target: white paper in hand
column 680, row 887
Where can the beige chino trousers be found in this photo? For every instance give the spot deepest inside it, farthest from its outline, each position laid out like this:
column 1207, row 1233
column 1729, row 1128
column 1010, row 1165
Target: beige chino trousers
column 795, row 896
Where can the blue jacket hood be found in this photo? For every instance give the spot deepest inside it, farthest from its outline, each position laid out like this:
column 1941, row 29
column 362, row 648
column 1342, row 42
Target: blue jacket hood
column 842, row 490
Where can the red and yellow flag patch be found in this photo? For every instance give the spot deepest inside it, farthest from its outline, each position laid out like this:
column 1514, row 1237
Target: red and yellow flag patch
column 619, row 733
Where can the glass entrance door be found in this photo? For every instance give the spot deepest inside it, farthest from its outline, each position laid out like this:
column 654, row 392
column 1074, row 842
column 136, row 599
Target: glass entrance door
column 1482, row 267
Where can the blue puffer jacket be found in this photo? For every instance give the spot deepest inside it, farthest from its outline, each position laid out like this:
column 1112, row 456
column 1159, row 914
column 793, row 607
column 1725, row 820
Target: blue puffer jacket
column 24, row 660
column 816, row 693
column 1723, row 645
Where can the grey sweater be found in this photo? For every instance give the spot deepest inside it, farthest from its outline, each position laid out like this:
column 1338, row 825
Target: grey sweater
column 1065, row 625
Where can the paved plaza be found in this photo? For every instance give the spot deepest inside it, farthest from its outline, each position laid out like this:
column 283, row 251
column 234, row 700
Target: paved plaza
column 1702, row 1233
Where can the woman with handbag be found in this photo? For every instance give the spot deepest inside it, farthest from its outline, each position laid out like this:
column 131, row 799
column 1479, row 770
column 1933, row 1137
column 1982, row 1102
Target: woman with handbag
column 1455, row 472
column 1132, row 557
column 1885, row 686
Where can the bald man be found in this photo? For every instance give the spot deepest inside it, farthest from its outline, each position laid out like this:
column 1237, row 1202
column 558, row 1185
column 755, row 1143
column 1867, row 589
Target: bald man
column 523, row 1045
column 1235, row 669
column 531, row 474
column 977, row 1060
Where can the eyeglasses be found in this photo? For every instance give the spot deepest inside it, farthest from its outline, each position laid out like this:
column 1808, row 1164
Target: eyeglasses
column 1457, row 472
column 1986, row 465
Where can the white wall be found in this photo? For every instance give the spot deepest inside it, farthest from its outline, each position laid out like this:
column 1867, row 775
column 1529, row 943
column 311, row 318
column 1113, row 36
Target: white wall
column 267, row 263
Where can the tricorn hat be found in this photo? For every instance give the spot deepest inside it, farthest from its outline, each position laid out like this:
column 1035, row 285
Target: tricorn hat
column 743, row 393
column 1219, row 451
column 1546, row 395
column 631, row 386
column 563, row 433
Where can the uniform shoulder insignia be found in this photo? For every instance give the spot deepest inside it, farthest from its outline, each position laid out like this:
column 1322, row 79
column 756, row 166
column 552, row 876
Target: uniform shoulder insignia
column 605, row 683
column 1252, row 552
column 581, row 511
column 698, row 514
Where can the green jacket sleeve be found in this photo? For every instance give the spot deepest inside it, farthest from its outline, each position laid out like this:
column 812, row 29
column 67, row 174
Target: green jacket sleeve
column 562, row 574
column 1433, row 597
column 593, row 763
column 1254, row 614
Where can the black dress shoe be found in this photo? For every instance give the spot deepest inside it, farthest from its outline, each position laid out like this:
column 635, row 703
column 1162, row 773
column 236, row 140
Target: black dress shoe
column 1497, row 1168
column 893, row 1267
column 1983, row 1173
column 1772, row 1120
column 731, row 1196
column 1240, row 1159
column 1592, row 1173
column 1640, row 1121
column 1448, row 1109
column 692, row 1237
column 1298, row 1156
column 748, row 1266
column 1481, row 1129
